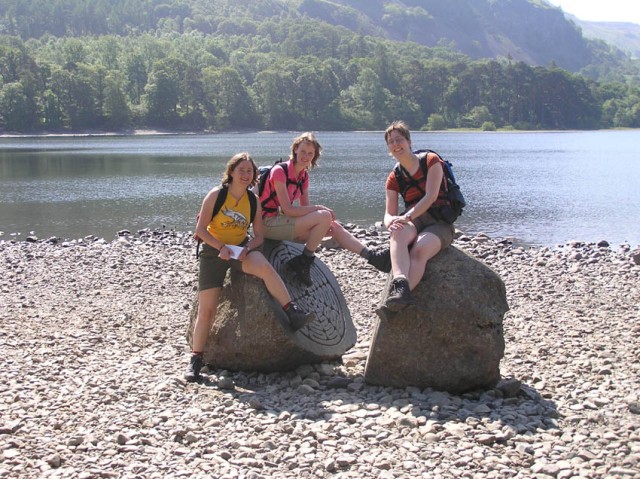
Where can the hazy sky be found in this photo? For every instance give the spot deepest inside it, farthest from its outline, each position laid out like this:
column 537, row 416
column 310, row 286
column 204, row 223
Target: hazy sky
column 602, row 10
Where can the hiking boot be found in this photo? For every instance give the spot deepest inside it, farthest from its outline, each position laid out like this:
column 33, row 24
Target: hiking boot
column 193, row 370
column 381, row 260
column 298, row 318
column 300, row 267
column 399, row 295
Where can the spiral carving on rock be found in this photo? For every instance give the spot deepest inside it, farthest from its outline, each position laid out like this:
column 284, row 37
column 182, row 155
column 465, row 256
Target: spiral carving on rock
column 333, row 327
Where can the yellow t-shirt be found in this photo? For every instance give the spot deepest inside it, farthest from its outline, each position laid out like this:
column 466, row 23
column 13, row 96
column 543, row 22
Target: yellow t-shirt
column 231, row 224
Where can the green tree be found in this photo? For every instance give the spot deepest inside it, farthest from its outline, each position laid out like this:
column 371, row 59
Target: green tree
column 436, row 122
column 14, row 107
column 161, row 96
column 365, row 104
column 53, row 116
column 136, row 77
column 116, row 109
column 273, row 91
column 230, row 104
column 75, row 89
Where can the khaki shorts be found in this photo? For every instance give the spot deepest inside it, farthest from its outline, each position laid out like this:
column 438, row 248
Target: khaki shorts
column 279, row 227
column 443, row 230
column 213, row 269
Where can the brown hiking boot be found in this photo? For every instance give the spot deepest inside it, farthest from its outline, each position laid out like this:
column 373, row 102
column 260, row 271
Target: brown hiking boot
column 192, row 372
column 381, row 260
column 399, row 296
column 298, row 319
column 300, row 267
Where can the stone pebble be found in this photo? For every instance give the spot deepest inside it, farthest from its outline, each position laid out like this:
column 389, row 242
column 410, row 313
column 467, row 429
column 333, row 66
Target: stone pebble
column 93, row 342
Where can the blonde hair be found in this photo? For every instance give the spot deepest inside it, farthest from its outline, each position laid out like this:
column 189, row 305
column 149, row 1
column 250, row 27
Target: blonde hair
column 311, row 138
column 233, row 163
column 399, row 126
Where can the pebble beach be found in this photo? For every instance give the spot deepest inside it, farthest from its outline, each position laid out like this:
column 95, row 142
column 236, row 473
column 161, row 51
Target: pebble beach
column 93, row 347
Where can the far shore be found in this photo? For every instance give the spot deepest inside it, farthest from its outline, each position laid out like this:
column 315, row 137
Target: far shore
column 152, row 132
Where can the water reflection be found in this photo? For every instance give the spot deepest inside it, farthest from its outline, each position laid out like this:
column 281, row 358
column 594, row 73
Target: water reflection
column 541, row 188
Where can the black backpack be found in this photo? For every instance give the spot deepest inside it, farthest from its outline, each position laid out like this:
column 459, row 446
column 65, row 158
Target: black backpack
column 222, row 196
column 453, row 194
column 263, row 176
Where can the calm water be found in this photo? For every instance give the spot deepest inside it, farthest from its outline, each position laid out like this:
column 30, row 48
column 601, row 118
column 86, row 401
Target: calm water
column 537, row 188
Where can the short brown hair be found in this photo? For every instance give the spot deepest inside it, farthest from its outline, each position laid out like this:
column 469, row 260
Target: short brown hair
column 399, row 126
column 311, row 138
column 234, row 162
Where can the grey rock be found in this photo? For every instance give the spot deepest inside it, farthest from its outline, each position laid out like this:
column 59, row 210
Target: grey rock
column 225, row 382
column 453, row 339
column 510, row 387
column 338, row 382
column 54, row 460
column 254, row 335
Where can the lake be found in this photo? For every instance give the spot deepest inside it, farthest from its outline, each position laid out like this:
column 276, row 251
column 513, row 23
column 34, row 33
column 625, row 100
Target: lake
column 538, row 188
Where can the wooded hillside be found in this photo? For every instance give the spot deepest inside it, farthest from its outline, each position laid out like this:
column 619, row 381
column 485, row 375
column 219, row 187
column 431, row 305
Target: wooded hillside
column 309, row 64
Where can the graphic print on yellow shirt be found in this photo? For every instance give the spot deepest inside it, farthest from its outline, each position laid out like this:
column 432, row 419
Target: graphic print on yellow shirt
column 231, row 224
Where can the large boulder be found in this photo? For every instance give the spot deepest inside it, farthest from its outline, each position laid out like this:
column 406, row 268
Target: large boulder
column 250, row 331
column 453, row 339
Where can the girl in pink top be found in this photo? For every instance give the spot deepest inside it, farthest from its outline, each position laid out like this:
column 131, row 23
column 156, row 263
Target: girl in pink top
column 304, row 222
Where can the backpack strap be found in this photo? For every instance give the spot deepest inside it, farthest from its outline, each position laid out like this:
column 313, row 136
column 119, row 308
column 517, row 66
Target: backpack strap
column 406, row 181
column 222, row 196
column 298, row 183
column 253, row 202
column 217, row 206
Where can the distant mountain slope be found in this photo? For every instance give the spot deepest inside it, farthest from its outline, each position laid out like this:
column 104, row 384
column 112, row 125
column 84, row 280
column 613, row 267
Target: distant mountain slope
column 532, row 31
column 625, row 36
column 529, row 30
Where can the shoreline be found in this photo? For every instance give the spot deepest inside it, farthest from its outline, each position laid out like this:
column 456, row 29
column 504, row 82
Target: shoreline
column 376, row 229
column 151, row 132
column 93, row 336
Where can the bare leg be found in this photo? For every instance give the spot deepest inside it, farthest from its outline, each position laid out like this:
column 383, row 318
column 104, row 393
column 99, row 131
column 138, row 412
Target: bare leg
column 426, row 247
column 400, row 242
column 344, row 238
column 312, row 228
column 207, row 306
column 257, row 265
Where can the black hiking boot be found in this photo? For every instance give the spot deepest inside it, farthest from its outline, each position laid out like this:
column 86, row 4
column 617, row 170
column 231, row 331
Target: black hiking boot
column 300, row 267
column 192, row 372
column 399, row 296
column 381, row 260
column 298, row 319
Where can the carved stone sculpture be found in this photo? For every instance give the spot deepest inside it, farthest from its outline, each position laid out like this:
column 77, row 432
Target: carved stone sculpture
column 250, row 331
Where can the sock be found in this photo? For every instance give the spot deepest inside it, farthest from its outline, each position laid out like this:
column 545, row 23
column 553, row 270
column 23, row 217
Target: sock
column 400, row 277
column 287, row 306
column 307, row 252
column 196, row 353
column 365, row 252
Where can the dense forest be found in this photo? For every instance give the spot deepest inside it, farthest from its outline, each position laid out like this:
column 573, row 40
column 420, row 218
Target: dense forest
column 96, row 65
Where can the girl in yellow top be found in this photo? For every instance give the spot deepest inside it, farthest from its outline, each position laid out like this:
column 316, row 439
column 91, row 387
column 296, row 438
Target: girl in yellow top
column 227, row 245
